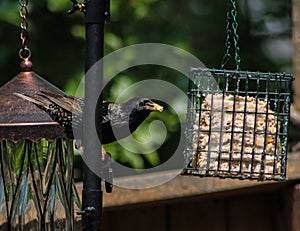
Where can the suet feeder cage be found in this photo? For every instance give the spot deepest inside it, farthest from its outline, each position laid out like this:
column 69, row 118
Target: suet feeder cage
column 237, row 121
column 238, row 129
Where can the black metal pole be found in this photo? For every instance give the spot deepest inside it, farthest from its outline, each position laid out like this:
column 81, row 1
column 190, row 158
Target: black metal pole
column 92, row 195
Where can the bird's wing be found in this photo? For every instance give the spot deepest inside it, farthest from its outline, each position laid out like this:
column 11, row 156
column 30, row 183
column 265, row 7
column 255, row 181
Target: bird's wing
column 112, row 112
column 39, row 102
column 69, row 103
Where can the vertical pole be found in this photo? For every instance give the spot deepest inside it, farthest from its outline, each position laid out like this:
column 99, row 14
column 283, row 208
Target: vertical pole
column 92, row 194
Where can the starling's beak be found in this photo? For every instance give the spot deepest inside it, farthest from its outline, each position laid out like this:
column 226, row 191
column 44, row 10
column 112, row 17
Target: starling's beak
column 155, row 107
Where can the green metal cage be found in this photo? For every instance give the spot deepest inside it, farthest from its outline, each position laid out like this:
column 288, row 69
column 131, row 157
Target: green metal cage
column 237, row 124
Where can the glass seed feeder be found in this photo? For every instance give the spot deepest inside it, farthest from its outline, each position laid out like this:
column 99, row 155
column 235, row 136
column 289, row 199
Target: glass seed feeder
column 36, row 159
column 237, row 121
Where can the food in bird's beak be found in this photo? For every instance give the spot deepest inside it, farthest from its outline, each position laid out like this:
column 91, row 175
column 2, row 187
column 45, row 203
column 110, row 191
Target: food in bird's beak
column 235, row 135
column 156, row 107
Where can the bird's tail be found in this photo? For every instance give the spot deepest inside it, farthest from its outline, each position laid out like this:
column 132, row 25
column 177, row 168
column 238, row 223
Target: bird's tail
column 39, row 103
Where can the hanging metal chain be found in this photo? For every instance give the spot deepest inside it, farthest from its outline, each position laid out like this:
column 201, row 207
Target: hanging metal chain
column 231, row 35
column 235, row 35
column 24, row 52
column 227, row 56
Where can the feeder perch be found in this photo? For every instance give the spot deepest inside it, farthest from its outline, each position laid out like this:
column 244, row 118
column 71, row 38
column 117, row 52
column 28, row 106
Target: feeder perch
column 237, row 124
column 36, row 162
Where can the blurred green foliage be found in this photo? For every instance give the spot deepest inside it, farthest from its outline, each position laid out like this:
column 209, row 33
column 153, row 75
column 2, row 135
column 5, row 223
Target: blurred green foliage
column 197, row 26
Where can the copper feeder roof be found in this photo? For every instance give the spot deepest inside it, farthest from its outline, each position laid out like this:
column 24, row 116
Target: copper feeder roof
column 20, row 119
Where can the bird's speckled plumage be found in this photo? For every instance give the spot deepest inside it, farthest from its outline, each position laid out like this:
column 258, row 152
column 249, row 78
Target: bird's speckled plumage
column 118, row 120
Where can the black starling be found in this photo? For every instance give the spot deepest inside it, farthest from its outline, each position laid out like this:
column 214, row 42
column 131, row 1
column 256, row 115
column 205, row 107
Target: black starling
column 119, row 119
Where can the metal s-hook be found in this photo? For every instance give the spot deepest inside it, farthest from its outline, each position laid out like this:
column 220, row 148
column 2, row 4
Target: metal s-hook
column 82, row 8
column 107, row 11
column 77, row 7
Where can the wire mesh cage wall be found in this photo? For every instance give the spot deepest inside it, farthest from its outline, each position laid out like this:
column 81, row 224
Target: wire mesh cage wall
column 237, row 124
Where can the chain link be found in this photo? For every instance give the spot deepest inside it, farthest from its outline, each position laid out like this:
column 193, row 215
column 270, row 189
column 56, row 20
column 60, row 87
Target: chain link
column 24, row 52
column 231, row 34
column 235, row 35
column 227, row 56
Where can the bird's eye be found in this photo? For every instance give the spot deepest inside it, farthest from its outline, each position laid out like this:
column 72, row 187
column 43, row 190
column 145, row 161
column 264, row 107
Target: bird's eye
column 142, row 104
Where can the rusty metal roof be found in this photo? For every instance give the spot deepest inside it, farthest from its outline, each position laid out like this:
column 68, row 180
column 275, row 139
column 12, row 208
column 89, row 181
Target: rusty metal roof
column 20, row 119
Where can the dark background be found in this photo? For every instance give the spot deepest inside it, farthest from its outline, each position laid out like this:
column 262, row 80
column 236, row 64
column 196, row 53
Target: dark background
column 58, row 45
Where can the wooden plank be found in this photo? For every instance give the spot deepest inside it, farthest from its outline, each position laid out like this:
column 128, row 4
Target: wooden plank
column 296, row 208
column 251, row 213
column 276, row 210
column 187, row 186
column 146, row 219
column 197, row 215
